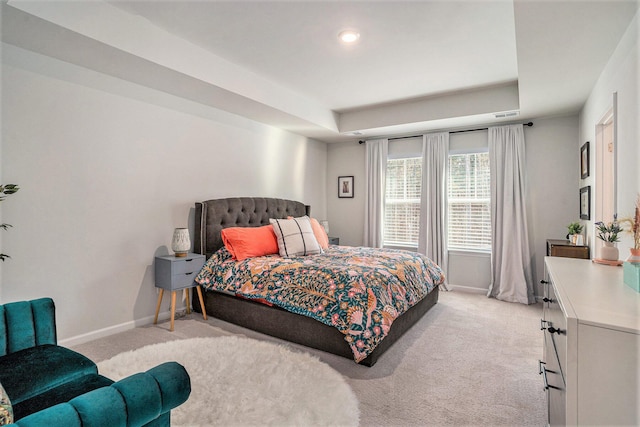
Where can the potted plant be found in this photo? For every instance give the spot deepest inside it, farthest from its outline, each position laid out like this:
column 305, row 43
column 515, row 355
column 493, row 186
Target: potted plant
column 6, row 189
column 574, row 230
column 633, row 225
column 608, row 233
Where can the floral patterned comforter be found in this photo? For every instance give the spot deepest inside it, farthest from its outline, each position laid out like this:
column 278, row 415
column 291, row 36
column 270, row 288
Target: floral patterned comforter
column 358, row 290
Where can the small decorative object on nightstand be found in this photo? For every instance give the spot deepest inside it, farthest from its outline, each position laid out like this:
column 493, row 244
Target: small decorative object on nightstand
column 181, row 242
column 175, row 273
column 334, row 240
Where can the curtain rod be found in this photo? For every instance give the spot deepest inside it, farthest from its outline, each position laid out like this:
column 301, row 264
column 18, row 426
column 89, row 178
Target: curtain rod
column 454, row 131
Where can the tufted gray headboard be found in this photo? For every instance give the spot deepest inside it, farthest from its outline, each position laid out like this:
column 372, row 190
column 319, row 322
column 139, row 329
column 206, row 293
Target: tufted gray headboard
column 213, row 215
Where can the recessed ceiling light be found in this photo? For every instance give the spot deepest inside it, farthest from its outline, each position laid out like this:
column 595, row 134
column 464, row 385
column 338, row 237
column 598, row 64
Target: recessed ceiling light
column 349, row 36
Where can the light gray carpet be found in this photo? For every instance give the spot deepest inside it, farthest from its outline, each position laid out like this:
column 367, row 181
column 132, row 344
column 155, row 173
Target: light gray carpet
column 471, row 361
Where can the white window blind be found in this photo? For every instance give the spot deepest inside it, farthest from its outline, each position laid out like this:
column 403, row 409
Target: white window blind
column 469, row 216
column 402, row 202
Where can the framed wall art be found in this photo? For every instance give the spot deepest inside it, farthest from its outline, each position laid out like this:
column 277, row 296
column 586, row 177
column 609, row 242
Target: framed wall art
column 585, row 202
column 345, row 187
column 584, row 160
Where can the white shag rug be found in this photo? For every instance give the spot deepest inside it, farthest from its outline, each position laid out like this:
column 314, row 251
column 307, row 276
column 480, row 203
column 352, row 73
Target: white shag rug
column 240, row 382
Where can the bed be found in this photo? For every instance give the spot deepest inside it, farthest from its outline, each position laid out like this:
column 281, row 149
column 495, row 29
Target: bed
column 259, row 312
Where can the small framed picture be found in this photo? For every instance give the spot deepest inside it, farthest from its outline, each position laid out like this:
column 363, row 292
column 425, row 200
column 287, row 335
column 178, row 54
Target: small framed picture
column 585, row 202
column 345, row 187
column 584, row 160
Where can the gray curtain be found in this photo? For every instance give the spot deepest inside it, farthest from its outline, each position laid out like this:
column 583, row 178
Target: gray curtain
column 511, row 278
column 375, row 169
column 432, row 240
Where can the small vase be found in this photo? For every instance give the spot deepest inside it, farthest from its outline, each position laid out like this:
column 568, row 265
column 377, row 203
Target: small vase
column 634, row 258
column 609, row 252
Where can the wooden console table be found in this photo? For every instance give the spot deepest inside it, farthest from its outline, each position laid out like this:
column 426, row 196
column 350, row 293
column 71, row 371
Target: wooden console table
column 563, row 248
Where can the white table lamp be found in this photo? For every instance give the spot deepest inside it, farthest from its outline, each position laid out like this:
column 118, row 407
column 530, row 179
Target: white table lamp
column 181, row 242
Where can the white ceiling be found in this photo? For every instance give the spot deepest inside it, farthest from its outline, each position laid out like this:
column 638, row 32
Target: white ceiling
column 405, row 51
column 418, row 65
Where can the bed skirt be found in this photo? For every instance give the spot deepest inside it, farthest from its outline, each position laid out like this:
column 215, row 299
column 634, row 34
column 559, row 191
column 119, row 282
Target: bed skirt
column 307, row 331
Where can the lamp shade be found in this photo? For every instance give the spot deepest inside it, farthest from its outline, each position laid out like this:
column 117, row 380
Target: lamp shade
column 181, row 242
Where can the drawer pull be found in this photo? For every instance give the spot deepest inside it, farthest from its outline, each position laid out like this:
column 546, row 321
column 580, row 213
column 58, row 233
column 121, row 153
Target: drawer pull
column 545, row 299
column 547, row 386
column 540, row 363
column 544, row 282
column 543, row 371
column 542, row 322
column 553, row 330
column 550, row 328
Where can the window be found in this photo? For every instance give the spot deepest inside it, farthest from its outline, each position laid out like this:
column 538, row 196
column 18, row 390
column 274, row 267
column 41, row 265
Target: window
column 402, row 202
column 469, row 216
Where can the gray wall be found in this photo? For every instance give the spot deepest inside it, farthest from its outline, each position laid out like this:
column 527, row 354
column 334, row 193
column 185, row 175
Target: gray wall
column 107, row 170
column 619, row 76
column 553, row 168
column 346, row 216
column 552, row 173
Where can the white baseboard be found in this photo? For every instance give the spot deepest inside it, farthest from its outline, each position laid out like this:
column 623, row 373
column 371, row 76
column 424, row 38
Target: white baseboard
column 162, row 316
column 478, row 290
column 111, row 330
column 101, row 333
column 467, row 289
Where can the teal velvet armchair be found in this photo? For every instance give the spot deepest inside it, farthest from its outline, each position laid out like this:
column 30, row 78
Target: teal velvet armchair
column 51, row 385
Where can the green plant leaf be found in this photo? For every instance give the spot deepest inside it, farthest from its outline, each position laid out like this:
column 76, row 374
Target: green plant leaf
column 6, row 189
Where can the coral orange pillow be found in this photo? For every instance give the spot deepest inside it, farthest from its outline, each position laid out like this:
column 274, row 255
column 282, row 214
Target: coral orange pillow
column 249, row 242
column 321, row 235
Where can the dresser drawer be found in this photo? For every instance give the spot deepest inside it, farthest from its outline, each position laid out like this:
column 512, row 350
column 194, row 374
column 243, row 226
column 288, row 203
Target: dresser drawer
column 556, row 329
column 554, row 385
column 188, row 265
column 185, row 280
column 570, row 251
column 174, row 273
column 553, row 369
column 557, row 407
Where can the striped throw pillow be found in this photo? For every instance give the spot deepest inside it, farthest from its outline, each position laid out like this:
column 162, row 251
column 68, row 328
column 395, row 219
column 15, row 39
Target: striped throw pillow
column 295, row 237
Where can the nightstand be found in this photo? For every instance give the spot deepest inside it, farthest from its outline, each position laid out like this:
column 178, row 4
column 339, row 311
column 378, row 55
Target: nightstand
column 334, row 240
column 177, row 273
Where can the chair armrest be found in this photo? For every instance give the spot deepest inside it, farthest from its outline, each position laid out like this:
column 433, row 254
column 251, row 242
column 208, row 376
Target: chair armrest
column 133, row 401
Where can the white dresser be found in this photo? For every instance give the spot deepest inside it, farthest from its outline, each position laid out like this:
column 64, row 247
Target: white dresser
column 591, row 357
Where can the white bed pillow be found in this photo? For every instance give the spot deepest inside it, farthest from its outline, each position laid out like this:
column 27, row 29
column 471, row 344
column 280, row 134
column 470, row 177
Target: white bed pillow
column 295, row 237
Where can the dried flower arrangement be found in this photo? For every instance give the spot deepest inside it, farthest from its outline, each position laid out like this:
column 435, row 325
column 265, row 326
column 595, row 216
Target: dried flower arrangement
column 633, row 225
